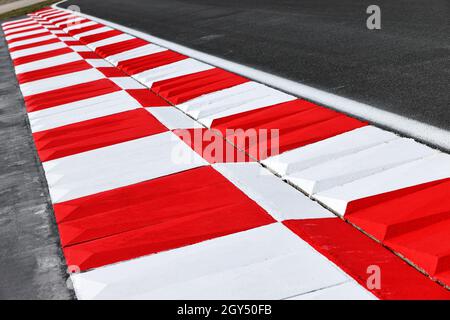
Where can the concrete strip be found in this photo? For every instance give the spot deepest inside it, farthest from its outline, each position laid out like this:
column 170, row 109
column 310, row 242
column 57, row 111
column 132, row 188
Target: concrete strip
column 31, row 261
column 17, row 5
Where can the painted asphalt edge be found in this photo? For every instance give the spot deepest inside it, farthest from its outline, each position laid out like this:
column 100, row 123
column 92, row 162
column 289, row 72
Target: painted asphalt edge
column 423, row 132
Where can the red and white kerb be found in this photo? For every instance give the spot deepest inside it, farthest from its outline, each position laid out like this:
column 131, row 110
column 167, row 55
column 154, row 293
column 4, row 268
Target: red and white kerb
column 108, row 114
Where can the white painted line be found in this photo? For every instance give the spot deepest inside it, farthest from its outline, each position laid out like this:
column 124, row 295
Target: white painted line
column 404, row 125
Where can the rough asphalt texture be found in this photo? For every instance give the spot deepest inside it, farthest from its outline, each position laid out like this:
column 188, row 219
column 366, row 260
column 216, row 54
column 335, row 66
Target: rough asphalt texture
column 31, row 261
column 403, row 68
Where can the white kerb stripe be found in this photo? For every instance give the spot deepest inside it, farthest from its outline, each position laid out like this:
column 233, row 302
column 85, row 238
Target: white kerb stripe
column 58, row 18
column 48, row 62
column 80, row 25
column 38, row 49
column 127, row 83
column 358, row 165
column 172, row 70
column 73, row 20
column 61, row 81
column 92, row 32
column 66, row 38
column 82, row 110
column 7, row 32
column 97, row 63
column 32, row 40
column 17, row 23
column 278, row 198
column 173, row 118
column 118, row 165
column 24, row 34
column 328, row 149
column 268, row 262
column 48, row 14
column 135, row 53
column 110, row 40
column 421, row 171
column 80, row 48
column 57, row 32
column 237, row 99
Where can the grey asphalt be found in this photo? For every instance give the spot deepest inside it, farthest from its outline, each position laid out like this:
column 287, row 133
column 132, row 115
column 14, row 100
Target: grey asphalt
column 31, row 262
column 403, row 68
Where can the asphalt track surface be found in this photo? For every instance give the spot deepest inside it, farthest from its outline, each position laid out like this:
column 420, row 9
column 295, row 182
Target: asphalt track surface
column 403, row 68
column 31, row 261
